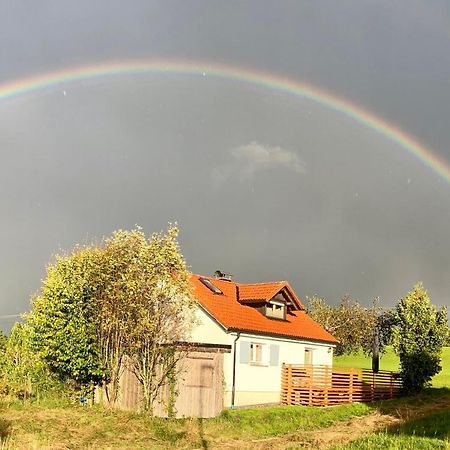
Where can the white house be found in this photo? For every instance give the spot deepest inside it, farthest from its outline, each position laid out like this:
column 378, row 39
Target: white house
column 266, row 325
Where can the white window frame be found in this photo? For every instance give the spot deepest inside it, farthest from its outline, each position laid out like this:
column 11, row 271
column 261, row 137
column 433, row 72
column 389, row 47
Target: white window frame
column 311, row 352
column 272, row 306
column 264, row 354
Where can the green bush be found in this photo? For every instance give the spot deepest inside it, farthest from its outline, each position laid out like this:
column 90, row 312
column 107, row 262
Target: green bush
column 418, row 336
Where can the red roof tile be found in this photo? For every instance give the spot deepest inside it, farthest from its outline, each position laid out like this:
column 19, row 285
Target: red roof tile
column 263, row 292
column 233, row 314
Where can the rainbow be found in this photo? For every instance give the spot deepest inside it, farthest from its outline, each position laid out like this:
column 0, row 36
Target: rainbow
column 243, row 75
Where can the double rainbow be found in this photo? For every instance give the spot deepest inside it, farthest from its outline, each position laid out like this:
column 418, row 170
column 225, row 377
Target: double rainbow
column 257, row 78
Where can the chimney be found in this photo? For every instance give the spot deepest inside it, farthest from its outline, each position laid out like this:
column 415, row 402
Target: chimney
column 219, row 275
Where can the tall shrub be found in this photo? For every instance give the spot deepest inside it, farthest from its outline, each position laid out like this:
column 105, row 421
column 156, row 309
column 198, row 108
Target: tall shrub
column 25, row 373
column 418, row 336
column 63, row 317
column 127, row 297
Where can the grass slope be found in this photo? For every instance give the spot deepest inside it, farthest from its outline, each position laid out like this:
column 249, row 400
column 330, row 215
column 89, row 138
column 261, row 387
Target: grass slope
column 389, row 361
column 421, row 422
column 425, row 433
column 27, row 425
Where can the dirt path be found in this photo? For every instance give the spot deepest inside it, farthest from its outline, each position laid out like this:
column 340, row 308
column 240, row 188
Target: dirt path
column 340, row 433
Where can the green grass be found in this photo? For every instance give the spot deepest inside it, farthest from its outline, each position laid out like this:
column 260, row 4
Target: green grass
column 426, row 433
column 28, row 425
column 391, row 442
column 389, row 361
column 263, row 422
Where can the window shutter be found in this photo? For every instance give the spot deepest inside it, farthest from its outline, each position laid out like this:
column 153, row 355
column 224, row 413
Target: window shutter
column 274, row 354
column 244, row 352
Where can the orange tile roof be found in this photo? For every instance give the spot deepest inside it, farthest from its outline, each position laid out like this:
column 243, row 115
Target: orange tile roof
column 263, row 292
column 233, row 314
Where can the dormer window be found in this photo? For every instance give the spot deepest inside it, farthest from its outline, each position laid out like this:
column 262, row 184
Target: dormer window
column 276, row 310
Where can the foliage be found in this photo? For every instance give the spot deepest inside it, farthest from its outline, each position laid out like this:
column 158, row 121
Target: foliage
column 3, row 344
column 61, row 319
column 390, row 361
column 162, row 313
column 418, row 337
column 127, row 297
column 124, row 277
column 352, row 324
column 447, row 337
column 25, row 374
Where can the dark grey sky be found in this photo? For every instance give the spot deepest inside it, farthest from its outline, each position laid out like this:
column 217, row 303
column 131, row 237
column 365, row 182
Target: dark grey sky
column 264, row 185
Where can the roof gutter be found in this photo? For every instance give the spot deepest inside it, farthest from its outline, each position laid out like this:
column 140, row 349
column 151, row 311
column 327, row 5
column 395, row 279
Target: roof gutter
column 233, row 389
column 284, row 336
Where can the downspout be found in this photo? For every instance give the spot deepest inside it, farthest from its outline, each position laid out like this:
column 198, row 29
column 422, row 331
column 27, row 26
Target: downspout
column 233, row 389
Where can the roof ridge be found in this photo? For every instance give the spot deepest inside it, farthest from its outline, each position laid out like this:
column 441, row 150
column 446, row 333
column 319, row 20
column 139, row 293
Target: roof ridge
column 260, row 283
column 264, row 282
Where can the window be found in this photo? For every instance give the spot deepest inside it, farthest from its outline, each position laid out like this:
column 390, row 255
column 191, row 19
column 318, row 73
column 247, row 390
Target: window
column 276, row 310
column 259, row 354
column 255, row 353
column 210, row 285
column 308, row 356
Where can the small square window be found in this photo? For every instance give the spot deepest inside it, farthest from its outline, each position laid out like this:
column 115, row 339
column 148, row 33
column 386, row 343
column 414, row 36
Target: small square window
column 276, row 310
column 259, row 354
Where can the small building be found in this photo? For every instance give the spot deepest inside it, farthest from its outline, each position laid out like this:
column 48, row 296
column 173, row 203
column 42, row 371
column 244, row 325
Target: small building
column 266, row 325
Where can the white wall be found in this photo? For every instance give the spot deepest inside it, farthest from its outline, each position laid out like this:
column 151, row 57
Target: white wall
column 207, row 330
column 256, row 384
column 262, row 383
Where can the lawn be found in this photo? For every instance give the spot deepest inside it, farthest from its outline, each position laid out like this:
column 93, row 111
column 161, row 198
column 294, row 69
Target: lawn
column 31, row 425
column 407, row 421
column 389, row 361
column 424, row 433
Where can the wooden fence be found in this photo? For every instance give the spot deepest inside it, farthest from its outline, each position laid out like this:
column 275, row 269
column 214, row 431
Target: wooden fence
column 324, row 385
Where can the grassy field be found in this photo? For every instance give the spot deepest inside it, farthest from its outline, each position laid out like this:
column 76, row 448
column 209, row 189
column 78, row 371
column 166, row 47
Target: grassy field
column 426, row 433
column 28, row 425
column 419, row 422
column 389, row 361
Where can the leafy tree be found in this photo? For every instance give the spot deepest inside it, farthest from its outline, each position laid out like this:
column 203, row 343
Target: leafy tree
column 162, row 312
column 3, row 341
column 127, row 297
column 352, row 324
column 121, row 259
column 447, row 338
column 25, row 374
column 63, row 317
column 418, row 337
column 3, row 344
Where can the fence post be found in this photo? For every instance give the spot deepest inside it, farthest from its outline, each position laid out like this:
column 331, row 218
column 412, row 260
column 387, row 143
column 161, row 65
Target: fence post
column 325, row 397
column 391, row 380
column 372, row 396
column 310, row 399
column 289, row 383
column 350, row 387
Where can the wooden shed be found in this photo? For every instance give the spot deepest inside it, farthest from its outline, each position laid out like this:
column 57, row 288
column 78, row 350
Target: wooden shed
column 199, row 385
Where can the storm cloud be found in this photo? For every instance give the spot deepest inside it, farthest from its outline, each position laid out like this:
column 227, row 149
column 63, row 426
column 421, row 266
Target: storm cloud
column 263, row 184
